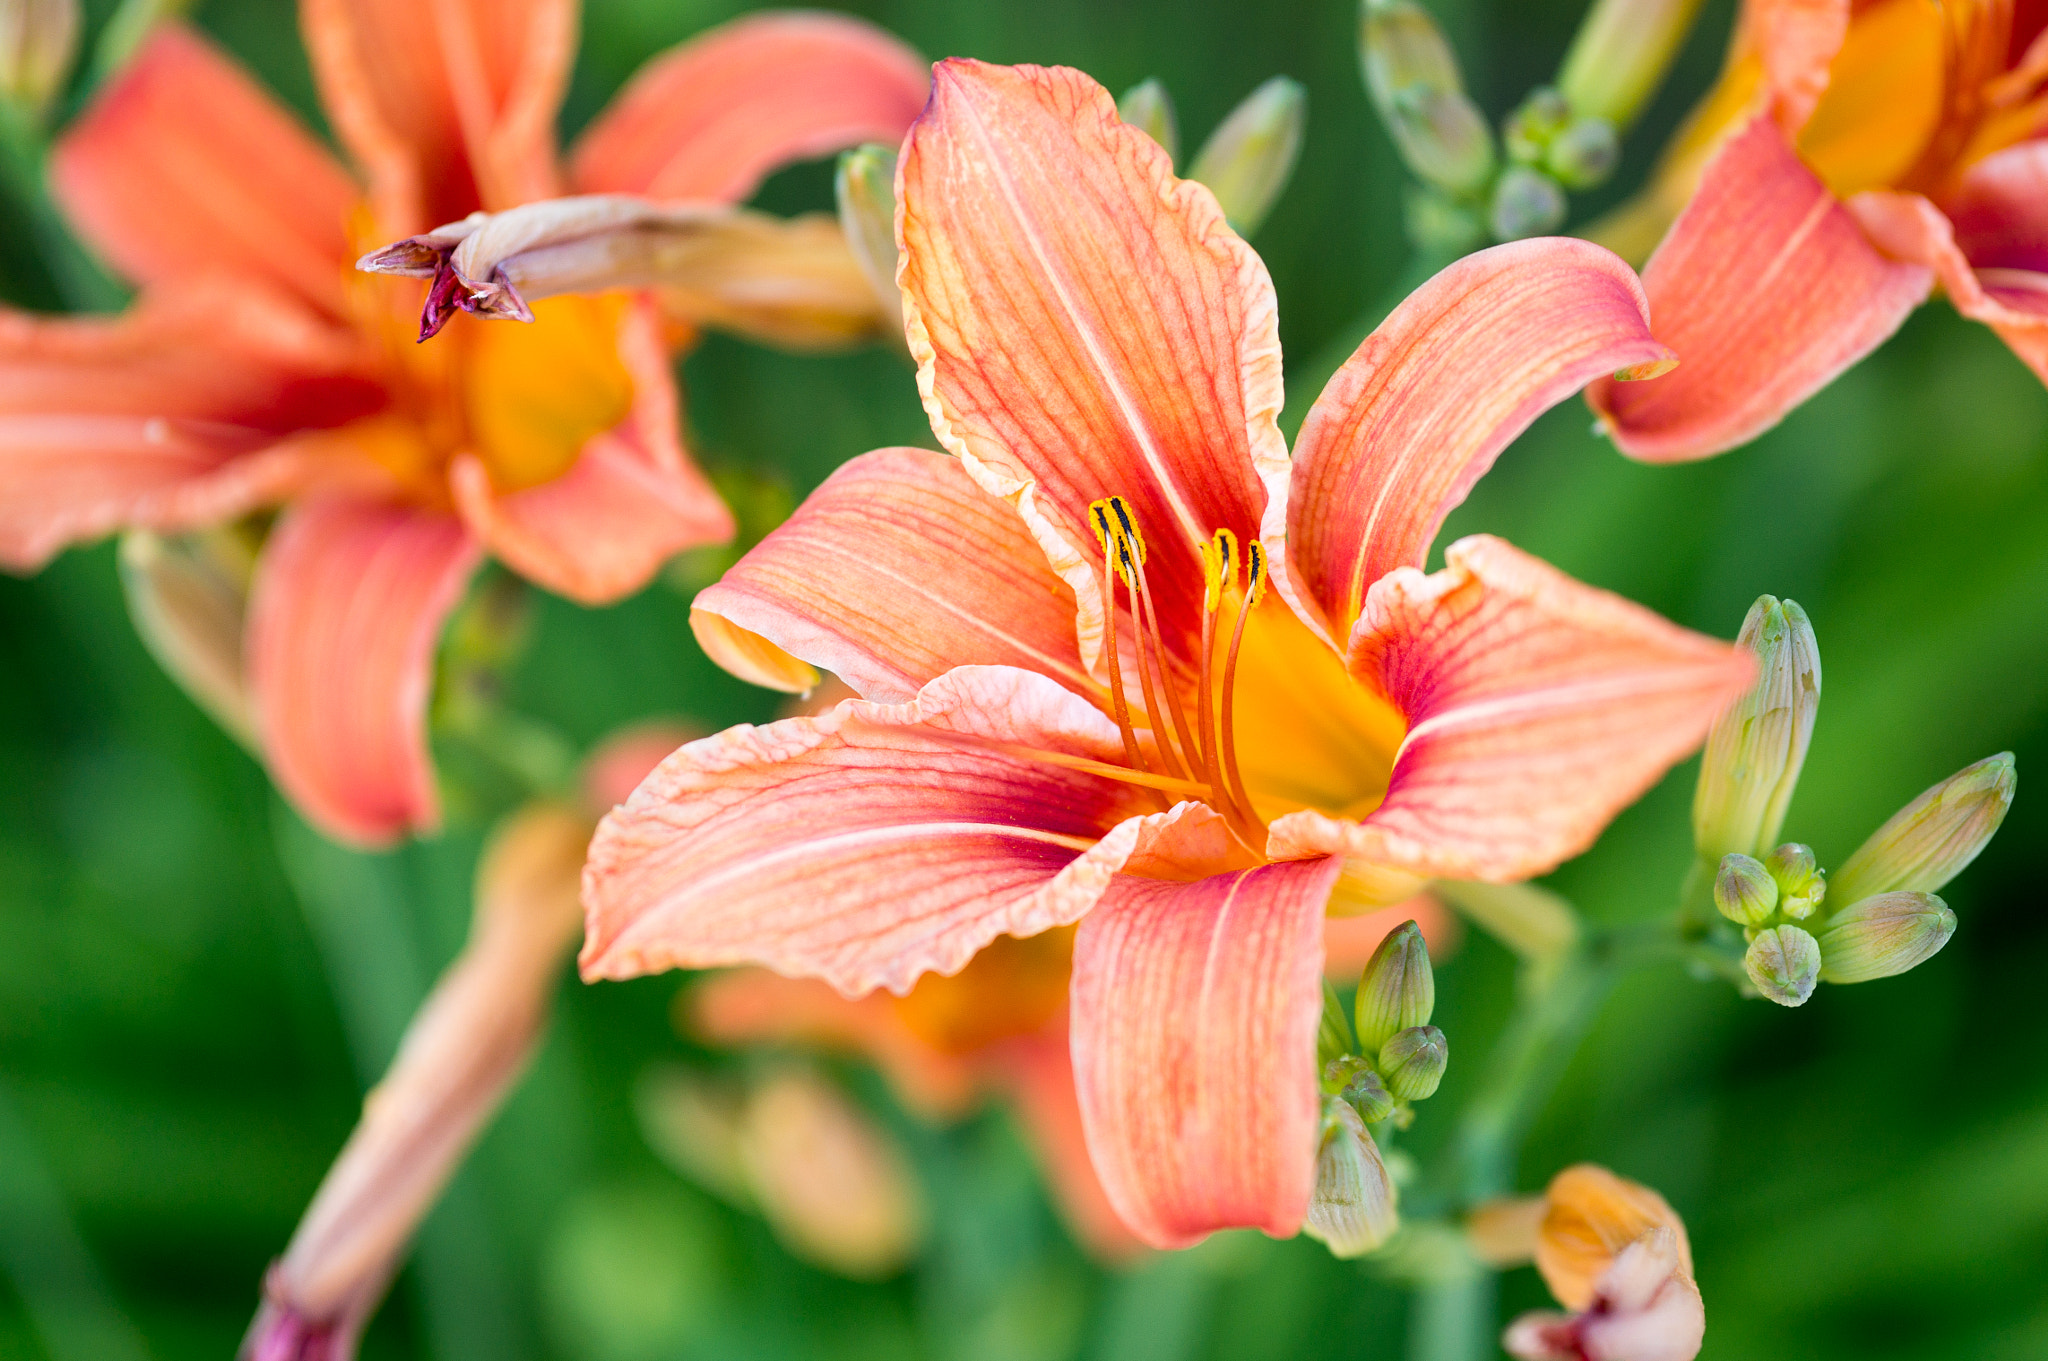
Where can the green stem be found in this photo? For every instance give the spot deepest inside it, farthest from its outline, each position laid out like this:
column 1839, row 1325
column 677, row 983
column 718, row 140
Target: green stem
column 1452, row 1319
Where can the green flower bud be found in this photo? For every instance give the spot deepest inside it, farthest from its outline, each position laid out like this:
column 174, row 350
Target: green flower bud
column 1353, row 1207
column 1930, row 840
column 38, row 40
column 1412, row 75
column 1397, row 990
column 1440, row 224
column 1884, row 935
column 1147, row 107
column 1744, row 890
column 1801, row 884
column 866, row 186
column 1784, row 963
column 1414, row 1062
column 1620, row 55
column 1527, row 132
column 1333, row 1038
column 1584, row 154
column 1758, row 744
column 1526, row 203
column 1248, row 160
column 1354, row 1081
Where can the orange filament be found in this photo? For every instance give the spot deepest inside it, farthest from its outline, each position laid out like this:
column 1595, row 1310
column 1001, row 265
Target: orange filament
column 1099, row 515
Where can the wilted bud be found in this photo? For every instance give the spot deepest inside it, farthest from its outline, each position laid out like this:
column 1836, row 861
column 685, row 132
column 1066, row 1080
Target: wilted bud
column 1147, row 107
column 1354, row 1207
column 1757, row 745
column 1248, row 159
column 1620, row 55
column 1801, row 885
column 1744, row 890
column 187, row 597
column 1414, row 1061
column 1526, row 203
column 1584, row 154
column 1930, row 840
column 1645, row 1307
column 1884, row 935
column 1412, row 75
column 1784, row 963
column 1592, row 1215
column 1527, row 133
column 866, row 187
column 38, row 39
column 1398, row 989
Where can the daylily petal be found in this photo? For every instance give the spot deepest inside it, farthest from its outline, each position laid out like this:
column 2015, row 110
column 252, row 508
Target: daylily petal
column 1427, row 403
column 895, row 571
column 630, row 501
column 1797, row 40
column 1767, row 289
column 183, row 163
column 1086, row 325
column 447, row 105
column 2000, row 211
column 709, row 118
column 1538, row 709
column 871, row 844
column 344, row 615
column 1197, row 1082
column 1038, row 1073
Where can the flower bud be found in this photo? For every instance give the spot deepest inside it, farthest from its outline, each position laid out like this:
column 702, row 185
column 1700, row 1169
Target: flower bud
column 1414, row 1061
column 1333, row 1037
column 1248, row 160
column 1584, row 154
column 1884, row 935
column 38, row 39
column 1930, row 840
column 1526, row 203
column 1354, row 1081
column 1412, row 75
column 1440, row 224
column 1528, row 132
column 1744, row 890
column 1147, row 107
column 1620, row 55
column 1784, row 963
column 187, row 596
column 1354, row 1207
column 1801, row 885
column 1757, row 745
column 866, row 187
column 1398, row 989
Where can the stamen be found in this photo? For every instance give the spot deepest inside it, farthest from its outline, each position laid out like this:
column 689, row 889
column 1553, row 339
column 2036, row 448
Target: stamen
column 1098, row 516
column 1219, row 569
column 1255, row 581
column 1145, row 617
column 1144, row 779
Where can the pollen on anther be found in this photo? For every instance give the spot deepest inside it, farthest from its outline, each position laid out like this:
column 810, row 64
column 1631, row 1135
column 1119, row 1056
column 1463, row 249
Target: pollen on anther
column 1255, row 573
column 1219, row 566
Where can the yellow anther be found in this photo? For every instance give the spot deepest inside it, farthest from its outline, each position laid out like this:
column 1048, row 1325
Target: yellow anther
column 1255, row 572
column 1122, row 510
column 1098, row 518
column 1219, row 565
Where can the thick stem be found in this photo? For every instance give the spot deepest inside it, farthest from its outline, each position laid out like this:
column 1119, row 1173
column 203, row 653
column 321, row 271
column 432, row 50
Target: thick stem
column 1452, row 1319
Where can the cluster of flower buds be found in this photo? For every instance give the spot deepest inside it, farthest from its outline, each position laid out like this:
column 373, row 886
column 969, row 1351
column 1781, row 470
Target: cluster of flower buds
column 1248, row 159
column 1375, row 1064
column 1880, row 915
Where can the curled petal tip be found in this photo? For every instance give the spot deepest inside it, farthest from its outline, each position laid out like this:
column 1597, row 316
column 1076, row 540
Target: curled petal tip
column 1650, row 368
column 416, row 257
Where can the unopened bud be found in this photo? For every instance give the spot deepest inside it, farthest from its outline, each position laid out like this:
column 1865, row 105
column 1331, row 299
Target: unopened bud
column 866, row 188
column 1440, row 224
column 1620, row 55
column 38, row 39
column 1333, row 1038
column 187, row 596
column 1412, row 75
column 1352, row 1080
column 1884, row 935
column 1414, row 1062
column 1744, row 890
column 1526, row 134
column 1784, row 963
column 1930, row 840
column 1248, row 160
column 1584, row 154
column 1147, row 107
column 1398, row 989
column 1354, row 1207
column 1758, row 744
column 1526, row 203
column 1801, row 884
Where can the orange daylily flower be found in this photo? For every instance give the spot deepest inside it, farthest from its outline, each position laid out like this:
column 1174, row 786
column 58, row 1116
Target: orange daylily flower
column 1854, row 154
column 258, row 367
column 1125, row 662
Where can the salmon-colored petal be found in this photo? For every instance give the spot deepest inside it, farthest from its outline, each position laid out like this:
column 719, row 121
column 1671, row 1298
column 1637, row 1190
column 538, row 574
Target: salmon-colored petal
column 447, row 105
column 1086, row 325
column 630, row 501
column 1195, row 1008
column 344, row 615
column 1797, row 41
column 183, row 163
column 871, row 844
column 895, row 571
column 1538, row 708
column 1767, row 288
column 1427, row 403
column 709, row 118
column 1038, row 1073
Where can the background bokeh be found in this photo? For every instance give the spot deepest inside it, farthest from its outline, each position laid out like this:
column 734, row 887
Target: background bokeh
column 194, row 989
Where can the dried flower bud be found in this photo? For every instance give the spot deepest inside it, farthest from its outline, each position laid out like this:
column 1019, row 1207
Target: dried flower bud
column 188, row 596
column 1884, row 935
column 866, row 188
column 38, row 40
column 1758, row 744
column 1412, row 75
column 1801, row 884
column 1414, row 1061
column 1354, row 1207
column 1784, row 963
column 1584, row 154
column 1250, row 157
column 1744, row 890
column 1147, row 107
column 1528, row 132
column 1930, row 840
column 1620, row 55
column 1526, row 203
column 1398, row 989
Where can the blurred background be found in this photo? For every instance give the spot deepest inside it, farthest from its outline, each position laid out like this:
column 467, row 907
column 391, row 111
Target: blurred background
column 195, row 990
